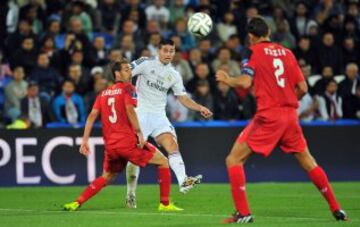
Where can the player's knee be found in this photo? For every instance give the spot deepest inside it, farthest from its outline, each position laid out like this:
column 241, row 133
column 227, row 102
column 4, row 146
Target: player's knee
column 164, row 162
column 230, row 161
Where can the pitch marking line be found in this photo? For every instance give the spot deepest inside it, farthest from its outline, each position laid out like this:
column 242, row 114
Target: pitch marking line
column 159, row 213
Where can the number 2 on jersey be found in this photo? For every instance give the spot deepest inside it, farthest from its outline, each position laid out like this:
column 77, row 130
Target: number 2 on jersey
column 279, row 71
column 111, row 103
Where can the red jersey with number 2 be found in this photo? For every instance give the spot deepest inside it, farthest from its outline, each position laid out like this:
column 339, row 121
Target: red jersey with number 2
column 116, row 127
column 275, row 73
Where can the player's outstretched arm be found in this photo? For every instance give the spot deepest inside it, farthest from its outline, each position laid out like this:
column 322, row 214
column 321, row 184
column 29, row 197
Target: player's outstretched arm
column 131, row 114
column 84, row 148
column 243, row 81
column 191, row 104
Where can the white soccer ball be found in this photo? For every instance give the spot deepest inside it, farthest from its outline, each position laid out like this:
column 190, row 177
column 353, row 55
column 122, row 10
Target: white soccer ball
column 200, row 24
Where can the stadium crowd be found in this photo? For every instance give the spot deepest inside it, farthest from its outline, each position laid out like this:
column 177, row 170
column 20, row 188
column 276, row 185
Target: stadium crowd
column 54, row 54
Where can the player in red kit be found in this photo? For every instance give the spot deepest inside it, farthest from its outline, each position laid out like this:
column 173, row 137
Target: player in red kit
column 123, row 139
column 278, row 84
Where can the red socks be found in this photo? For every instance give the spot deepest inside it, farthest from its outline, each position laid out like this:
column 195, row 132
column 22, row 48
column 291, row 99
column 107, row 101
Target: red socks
column 319, row 178
column 237, row 182
column 92, row 189
column 164, row 178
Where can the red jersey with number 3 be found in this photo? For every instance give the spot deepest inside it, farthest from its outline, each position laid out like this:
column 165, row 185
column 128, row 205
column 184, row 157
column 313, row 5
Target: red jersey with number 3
column 275, row 73
column 116, row 127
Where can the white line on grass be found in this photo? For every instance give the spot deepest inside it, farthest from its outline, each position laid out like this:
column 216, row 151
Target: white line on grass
column 159, row 213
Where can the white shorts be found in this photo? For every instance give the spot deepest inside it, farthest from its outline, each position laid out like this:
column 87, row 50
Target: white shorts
column 154, row 124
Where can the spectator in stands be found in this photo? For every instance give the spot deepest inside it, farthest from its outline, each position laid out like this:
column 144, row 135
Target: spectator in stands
column 304, row 51
column 353, row 11
column 48, row 47
column 76, row 27
column 47, row 77
column 14, row 92
column 154, row 42
column 320, row 86
column 80, row 78
column 90, row 97
column 226, row 103
column 79, row 19
column 130, row 28
column 128, row 48
column 98, row 53
column 183, row 67
column 80, row 58
column 203, row 96
column 177, row 10
column 207, row 55
column 187, row 40
column 330, row 103
column 195, row 58
column 224, row 57
column 202, row 72
column 307, row 105
column 26, row 55
column 36, row 108
column 226, row 27
column 158, row 12
column 97, row 73
column 131, row 8
column 351, row 28
column 110, row 16
column 114, row 54
column 234, row 44
column 53, row 29
column 69, row 106
column 350, row 51
column 301, row 19
column 5, row 78
column 327, row 8
column 31, row 14
column 348, row 88
column 329, row 54
column 283, row 35
column 15, row 40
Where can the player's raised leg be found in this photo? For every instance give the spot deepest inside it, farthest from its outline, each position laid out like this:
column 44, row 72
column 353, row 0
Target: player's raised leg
column 164, row 178
column 169, row 143
column 234, row 163
column 94, row 187
column 320, row 180
column 132, row 176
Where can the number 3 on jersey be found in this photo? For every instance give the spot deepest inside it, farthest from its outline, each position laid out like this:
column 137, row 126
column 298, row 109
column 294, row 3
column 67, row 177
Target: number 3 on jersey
column 111, row 103
column 279, row 71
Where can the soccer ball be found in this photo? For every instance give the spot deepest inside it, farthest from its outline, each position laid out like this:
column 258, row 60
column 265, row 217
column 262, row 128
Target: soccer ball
column 200, row 24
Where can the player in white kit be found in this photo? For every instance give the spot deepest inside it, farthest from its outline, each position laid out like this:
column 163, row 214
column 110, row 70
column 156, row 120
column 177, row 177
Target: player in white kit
column 155, row 77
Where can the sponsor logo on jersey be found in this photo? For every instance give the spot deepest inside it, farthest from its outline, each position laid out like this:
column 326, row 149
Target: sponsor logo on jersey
column 157, row 86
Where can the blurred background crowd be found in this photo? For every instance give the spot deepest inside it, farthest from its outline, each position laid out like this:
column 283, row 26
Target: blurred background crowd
column 54, row 54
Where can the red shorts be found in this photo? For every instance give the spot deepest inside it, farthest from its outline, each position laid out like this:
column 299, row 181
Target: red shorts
column 115, row 160
column 271, row 128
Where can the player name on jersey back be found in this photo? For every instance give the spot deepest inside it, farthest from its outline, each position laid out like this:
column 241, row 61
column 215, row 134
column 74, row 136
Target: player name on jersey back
column 275, row 52
column 109, row 92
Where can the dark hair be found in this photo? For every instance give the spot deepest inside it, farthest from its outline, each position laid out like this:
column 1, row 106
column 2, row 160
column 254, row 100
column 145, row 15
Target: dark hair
column 166, row 42
column 117, row 65
column 68, row 81
column 331, row 81
column 258, row 27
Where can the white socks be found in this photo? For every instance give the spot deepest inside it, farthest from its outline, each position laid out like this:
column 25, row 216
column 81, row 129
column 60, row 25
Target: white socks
column 177, row 165
column 132, row 176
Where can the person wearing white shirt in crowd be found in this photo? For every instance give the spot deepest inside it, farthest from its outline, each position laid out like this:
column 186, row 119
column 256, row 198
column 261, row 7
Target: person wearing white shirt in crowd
column 330, row 103
column 155, row 77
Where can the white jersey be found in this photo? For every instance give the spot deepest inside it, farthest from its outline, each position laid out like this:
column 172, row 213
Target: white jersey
column 154, row 80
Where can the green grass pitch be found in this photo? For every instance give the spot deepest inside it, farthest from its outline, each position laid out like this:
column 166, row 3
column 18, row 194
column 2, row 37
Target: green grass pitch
column 272, row 204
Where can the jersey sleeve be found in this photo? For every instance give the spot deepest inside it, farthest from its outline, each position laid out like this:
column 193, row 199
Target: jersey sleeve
column 248, row 63
column 97, row 105
column 178, row 87
column 130, row 96
column 138, row 66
